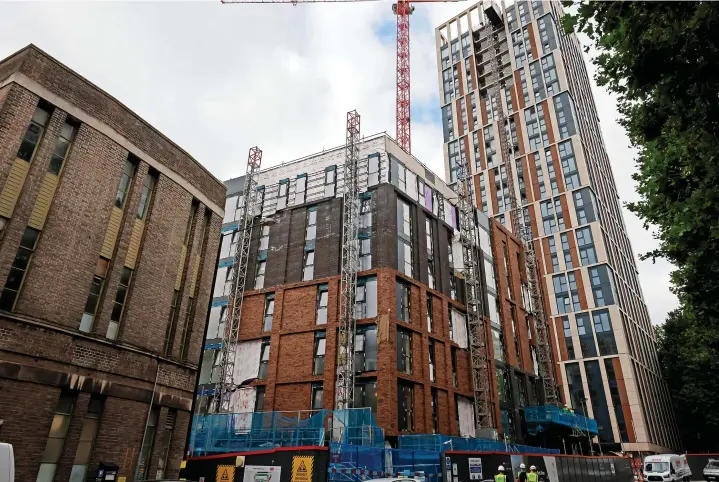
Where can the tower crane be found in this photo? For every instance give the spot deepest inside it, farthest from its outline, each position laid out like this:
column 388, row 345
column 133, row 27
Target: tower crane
column 402, row 9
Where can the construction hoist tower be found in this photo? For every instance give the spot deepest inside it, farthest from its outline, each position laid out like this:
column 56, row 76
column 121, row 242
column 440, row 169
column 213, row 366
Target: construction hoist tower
column 519, row 228
column 350, row 265
column 230, row 339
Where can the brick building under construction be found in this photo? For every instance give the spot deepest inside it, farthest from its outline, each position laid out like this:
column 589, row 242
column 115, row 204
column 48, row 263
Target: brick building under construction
column 411, row 360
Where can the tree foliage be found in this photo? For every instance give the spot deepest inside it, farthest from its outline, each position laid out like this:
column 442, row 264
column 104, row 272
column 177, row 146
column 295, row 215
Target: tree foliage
column 662, row 60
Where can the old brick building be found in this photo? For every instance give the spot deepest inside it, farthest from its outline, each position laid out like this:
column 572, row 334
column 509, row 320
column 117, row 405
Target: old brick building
column 412, row 361
column 108, row 241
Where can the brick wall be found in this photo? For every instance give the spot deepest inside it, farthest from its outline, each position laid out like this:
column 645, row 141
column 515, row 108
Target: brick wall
column 41, row 348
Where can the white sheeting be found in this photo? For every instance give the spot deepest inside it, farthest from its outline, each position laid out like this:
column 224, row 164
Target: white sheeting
column 247, row 363
column 242, row 404
column 465, row 410
column 459, row 328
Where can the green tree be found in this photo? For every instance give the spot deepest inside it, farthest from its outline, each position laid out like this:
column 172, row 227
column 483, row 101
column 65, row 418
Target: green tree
column 662, row 60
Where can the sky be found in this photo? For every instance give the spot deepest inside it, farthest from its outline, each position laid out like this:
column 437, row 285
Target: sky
column 218, row 79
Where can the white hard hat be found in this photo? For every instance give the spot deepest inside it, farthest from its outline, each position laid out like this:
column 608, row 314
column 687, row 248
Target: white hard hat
column 501, row 468
column 522, row 466
column 533, row 467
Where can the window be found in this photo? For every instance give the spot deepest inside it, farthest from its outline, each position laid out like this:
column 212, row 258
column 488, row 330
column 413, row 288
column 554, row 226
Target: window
column 560, row 213
column 585, row 206
column 373, row 161
column 308, row 271
column 260, row 274
column 322, row 297
column 548, row 219
column 330, row 180
column 317, row 393
column 404, row 351
column 310, row 227
column 574, row 290
column 125, row 181
column 366, row 298
column 602, row 285
column 264, row 239
column 435, row 411
column 569, row 165
column 264, row 359
column 535, row 74
column 148, row 440
column 366, row 395
column 432, row 362
column 430, row 314
column 171, row 322
column 550, row 74
column 300, row 189
column 405, row 406
column 605, row 334
column 56, row 437
column 403, row 302
column 576, row 389
column 320, row 346
column 585, row 243
column 365, row 348
column 568, row 338
column 586, row 337
column 93, row 298
column 87, row 438
column 365, row 234
column 553, row 253
column 599, row 400
column 33, row 133
column 561, row 293
column 18, row 269
column 430, row 254
column 501, row 385
column 62, row 146
column 118, row 306
column 269, row 311
column 404, row 238
column 453, row 353
column 565, row 115
column 567, row 252
column 146, row 195
column 546, row 32
column 498, row 344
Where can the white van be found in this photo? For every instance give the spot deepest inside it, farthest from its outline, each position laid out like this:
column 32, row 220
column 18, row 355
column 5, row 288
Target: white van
column 667, row 468
column 7, row 463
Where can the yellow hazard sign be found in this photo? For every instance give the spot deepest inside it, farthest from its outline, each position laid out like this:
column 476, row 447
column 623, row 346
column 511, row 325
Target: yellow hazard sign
column 225, row 473
column 302, row 468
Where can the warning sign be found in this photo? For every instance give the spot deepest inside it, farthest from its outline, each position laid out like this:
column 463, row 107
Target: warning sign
column 225, row 473
column 302, row 468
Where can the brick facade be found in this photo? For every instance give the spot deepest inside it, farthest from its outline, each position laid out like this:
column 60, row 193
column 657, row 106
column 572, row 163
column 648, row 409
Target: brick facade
column 43, row 353
column 290, row 378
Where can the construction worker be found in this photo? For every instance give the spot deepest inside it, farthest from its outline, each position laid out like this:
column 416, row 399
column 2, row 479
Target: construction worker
column 500, row 477
column 522, row 477
column 532, row 476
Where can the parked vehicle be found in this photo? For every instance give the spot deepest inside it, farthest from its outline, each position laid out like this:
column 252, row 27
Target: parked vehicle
column 7, row 463
column 667, row 468
column 711, row 471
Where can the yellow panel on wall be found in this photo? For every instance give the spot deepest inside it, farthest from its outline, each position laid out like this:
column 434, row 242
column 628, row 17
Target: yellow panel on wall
column 195, row 269
column 134, row 248
column 43, row 201
column 180, row 268
column 13, row 186
column 113, row 228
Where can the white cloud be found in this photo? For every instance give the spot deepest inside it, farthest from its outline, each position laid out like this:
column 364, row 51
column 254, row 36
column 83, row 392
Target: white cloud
column 218, row 79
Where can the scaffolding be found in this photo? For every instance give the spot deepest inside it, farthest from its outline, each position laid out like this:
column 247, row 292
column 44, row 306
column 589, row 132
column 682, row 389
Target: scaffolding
column 228, row 345
column 350, row 266
column 520, row 229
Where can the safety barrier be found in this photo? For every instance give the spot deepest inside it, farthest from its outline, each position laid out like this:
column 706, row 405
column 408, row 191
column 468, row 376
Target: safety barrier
column 439, row 443
column 237, row 432
column 546, row 414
